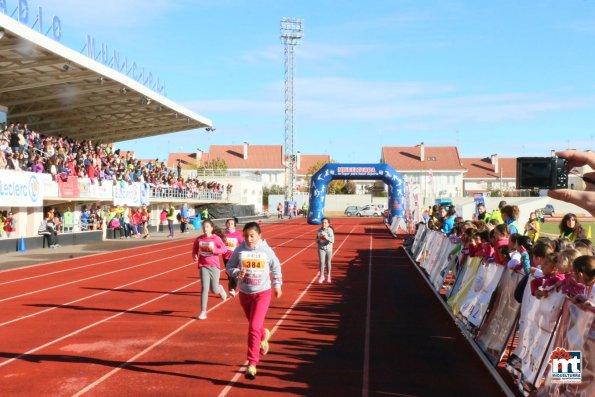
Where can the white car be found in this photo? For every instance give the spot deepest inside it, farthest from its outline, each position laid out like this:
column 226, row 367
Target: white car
column 369, row 210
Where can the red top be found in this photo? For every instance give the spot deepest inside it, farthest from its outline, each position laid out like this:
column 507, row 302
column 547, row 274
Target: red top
column 208, row 250
column 232, row 240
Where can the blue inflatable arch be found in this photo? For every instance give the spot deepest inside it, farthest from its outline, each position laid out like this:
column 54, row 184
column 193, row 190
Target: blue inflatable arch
column 383, row 172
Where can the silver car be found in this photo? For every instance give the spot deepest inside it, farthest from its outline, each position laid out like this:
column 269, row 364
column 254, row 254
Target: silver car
column 370, row 210
column 351, row 210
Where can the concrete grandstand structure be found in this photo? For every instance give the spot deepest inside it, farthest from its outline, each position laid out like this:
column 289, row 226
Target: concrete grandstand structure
column 58, row 91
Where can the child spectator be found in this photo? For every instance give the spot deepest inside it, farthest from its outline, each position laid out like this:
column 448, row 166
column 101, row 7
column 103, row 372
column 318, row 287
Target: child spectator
column 532, row 227
column 519, row 247
column 550, row 267
column 584, row 273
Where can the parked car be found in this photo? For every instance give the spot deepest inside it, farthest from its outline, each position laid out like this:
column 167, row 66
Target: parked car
column 351, row 210
column 369, row 210
column 548, row 210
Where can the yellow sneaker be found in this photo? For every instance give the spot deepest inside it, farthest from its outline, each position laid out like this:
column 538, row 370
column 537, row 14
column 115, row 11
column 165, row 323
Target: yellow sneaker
column 264, row 344
column 251, row 372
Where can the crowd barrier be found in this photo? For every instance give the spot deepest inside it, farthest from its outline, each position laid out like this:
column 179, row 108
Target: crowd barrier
column 480, row 295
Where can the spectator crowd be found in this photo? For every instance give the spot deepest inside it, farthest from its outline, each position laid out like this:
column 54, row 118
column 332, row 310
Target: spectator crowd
column 24, row 149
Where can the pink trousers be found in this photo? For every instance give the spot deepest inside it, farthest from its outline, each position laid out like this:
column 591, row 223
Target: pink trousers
column 255, row 307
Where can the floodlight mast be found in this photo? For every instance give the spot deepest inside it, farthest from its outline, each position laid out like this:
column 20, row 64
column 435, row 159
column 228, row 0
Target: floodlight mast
column 291, row 35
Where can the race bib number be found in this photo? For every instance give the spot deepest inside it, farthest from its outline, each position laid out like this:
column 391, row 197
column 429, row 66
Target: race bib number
column 206, row 248
column 231, row 243
column 255, row 264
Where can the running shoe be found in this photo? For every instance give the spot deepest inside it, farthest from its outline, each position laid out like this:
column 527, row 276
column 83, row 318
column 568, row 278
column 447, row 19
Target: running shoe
column 202, row 315
column 320, row 279
column 328, row 278
column 264, row 344
column 233, row 292
column 251, row 372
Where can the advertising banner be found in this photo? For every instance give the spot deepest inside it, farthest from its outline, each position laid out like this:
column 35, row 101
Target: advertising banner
column 455, row 300
column 500, row 321
column 575, row 335
column 536, row 325
column 21, row 189
column 476, row 302
column 125, row 194
column 69, row 188
column 95, row 190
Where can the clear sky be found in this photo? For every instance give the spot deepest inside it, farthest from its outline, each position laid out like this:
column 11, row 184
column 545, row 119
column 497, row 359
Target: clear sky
column 509, row 77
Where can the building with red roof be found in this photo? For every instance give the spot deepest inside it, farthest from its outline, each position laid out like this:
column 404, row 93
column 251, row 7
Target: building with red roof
column 432, row 172
column 265, row 161
column 489, row 174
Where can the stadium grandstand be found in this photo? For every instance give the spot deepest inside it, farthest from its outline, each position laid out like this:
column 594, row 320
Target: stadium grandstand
column 60, row 114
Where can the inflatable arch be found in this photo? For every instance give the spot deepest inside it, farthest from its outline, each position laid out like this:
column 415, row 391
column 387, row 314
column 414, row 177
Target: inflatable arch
column 330, row 171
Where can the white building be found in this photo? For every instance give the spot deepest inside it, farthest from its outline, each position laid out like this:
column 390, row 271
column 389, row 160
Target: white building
column 431, row 172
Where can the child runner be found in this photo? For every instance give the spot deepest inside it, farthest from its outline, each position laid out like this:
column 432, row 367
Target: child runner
column 233, row 238
column 206, row 251
column 251, row 264
column 325, row 239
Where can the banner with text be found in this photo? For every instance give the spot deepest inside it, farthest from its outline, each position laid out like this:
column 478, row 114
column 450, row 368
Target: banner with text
column 69, row 188
column 125, row 194
column 21, row 189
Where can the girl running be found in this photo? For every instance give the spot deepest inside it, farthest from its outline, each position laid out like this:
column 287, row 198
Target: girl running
column 251, row 263
column 233, row 238
column 206, row 251
column 325, row 239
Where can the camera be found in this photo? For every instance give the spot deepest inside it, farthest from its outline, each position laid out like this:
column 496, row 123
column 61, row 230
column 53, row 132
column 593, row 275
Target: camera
column 541, row 173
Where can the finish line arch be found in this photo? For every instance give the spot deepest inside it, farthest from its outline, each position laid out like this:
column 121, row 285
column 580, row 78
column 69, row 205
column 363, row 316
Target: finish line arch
column 331, row 171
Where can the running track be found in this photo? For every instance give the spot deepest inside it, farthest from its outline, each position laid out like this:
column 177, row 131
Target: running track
column 123, row 324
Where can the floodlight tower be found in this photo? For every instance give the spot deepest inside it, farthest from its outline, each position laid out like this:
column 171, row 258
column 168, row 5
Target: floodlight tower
column 291, row 35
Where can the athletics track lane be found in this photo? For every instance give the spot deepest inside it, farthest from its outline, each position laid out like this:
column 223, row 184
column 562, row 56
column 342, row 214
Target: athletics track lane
column 318, row 349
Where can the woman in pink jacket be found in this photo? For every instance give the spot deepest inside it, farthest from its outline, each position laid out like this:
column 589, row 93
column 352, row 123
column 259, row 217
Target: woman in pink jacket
column 206, row 251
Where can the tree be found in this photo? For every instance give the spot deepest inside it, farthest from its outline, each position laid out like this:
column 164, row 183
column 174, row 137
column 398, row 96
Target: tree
column 268, row 190
column 214, row 164
column 336, row 186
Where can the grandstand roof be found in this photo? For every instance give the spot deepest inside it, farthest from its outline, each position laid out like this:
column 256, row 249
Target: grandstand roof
column 436, row 158
column 485, row 169
column 59, row 91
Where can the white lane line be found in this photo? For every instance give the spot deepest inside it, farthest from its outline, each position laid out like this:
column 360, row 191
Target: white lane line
column 94, row 295
column 84, row 256
column 6, row 362
column 185, row 240
column 366, row 380
column 89, row 265
column 176, row 331
column 88, row 278
column 148, row 349
column 243, row 368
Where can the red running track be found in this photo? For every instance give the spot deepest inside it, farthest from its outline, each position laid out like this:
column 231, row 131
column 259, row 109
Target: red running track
column 123, row 324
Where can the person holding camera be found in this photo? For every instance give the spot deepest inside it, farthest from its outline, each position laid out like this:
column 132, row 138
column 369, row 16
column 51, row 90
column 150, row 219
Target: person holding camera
column 584, row 199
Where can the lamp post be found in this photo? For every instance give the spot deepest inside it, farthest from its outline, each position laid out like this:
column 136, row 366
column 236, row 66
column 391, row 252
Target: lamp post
column 291, row 35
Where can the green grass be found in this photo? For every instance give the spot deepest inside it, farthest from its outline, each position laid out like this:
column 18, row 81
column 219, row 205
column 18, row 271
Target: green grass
column 552, row 228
